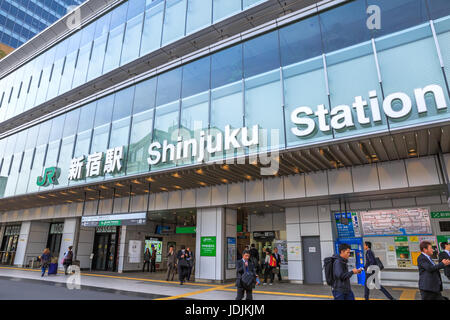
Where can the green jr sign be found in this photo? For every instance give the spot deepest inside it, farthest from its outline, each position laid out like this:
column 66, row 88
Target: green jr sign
column 49, row 177
column 208, row 246
column 440, row 214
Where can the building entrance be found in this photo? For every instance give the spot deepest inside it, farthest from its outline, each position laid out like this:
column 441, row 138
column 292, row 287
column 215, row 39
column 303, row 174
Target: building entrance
column 105, row 248
column 9, row 244
column 54, row 238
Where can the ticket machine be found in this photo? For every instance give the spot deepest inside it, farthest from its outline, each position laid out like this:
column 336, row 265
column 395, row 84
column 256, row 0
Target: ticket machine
column 356, row 259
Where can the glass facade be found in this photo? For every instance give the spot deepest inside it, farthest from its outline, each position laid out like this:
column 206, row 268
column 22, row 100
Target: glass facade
column 127, row 32
column 20, row 20
column 257, row 82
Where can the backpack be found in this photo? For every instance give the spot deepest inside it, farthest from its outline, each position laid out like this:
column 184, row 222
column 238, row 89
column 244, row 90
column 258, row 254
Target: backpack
column 272, row 261
column 328, row 265
column 379, row 263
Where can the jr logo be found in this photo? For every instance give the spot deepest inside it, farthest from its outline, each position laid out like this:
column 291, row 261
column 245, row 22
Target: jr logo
column 50, row 176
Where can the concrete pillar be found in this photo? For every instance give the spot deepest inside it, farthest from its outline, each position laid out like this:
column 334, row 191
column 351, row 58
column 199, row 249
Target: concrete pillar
column 122, row 247
column 230, row 232
column 85, row 246
column 70, row 231
column 32, row 241
column 211, row 222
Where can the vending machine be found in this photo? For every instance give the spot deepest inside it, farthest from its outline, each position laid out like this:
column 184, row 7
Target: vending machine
column 356, row 259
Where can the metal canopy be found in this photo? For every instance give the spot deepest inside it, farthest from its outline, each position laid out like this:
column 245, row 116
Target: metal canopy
column 362, row 151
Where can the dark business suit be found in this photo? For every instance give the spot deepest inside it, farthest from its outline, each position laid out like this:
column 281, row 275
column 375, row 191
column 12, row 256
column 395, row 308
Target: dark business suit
column 430, row 282
column 444, row 255
column 240, row 270
column 370, row 261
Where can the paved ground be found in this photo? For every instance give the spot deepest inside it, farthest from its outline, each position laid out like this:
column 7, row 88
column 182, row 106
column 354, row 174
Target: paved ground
column 138, row 285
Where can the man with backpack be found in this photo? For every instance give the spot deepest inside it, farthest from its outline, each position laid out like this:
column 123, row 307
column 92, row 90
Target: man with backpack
column 245, row 277
column 370, row 261
column 337, row 274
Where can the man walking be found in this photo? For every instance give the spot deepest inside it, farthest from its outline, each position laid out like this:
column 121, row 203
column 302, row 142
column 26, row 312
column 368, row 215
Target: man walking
column 247, row 268
column 445, row 254
column 430, row 281
column 370, row 261
column 171, row 264
column 341, row 284
column 68, row 258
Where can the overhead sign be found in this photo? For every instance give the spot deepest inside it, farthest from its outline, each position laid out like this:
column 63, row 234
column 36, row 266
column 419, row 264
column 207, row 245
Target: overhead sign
column 347, row 224
column 440, row 214
column 396, row 106
column 49, row 177
column 126, row 219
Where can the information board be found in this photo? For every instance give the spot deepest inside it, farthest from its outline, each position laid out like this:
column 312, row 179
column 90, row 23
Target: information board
column 391, row 222
column 347, row 224
column 208, row 246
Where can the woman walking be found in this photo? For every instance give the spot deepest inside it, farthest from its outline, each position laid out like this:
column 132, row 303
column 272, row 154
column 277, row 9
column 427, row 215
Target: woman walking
column 45, row 260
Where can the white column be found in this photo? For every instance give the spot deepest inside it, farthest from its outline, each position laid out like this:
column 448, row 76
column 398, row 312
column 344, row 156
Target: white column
column 32, row 241
column 85, row 246
column 71, row 226
column 122, row 247
column 210, row 223
column 230, row 231
column 295, row 266
column 22, row 243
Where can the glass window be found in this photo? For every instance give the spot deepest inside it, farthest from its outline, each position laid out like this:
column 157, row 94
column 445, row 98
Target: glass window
column 99, row 46
column 65, row 157
column 151, row 36
column 115, row 40
column 300, row 41
column 71, row 122
column 82, row 64
column 104, row 110
column 196, row 77
column 169, row 86
column 132, row 39
column 226, row 66
column 57, row 127
column 32, row 137
column 398, row 15
column 24, row 175
column 140, row 138
column 86, row 119
column 344, row 26
column 225, row 8
column 44, row 132
column 199, row 14
column 135, row 8
column 36, row 75
column 166, row 128
column 249, row 3
column 60, row 54
column 69, row 64
column 36, row 169
column 439, row 8
column 144, row 96
column 123, row 103
column 261, row 54
column 174, row 20
column 45, row 76
column 24, row 88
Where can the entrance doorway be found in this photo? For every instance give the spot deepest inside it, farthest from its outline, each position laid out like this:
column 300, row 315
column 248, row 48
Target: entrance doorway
column 9, row 244
column 54, row 238
column 105, row 248
column 312, row 265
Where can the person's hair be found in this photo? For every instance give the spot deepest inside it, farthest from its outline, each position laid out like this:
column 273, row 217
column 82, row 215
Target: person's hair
column 275, row 248
column 70, row 247
column 343, row 247
column 147, row 249
column 245, row 252
column 183, row 247
column 368, row 244
column 171, row 246
column 46, row 250
column 253, row 245
column 268, row 250
column 443, row 244
column 424, row 245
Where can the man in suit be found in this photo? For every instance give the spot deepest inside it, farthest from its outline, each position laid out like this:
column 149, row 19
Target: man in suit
column 430, row 282
column 445, row 254
column 242, row 266
column 370, row 261
column 278, row 259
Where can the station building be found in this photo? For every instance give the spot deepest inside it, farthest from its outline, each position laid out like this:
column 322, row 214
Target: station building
column 215, row 124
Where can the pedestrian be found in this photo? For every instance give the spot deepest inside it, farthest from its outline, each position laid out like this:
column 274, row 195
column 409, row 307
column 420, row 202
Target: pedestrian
column 45, row 260
column 430, row 281
column 341, row 285
column 270, row 264
column 254, row 257
column 278, row 259
column 445, row 254
column 153, row 259
column 171, row 264
column 146, row 260
column 245, row 277
column 68, row 258
column 190, row 259
column 182, row 264
column 370, row 261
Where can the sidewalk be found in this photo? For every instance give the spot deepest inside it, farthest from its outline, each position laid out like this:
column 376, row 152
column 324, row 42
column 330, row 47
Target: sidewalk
column 148, row 283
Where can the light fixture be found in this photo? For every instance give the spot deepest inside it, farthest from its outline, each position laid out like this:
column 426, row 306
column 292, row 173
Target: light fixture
column 176, row 175
column 224, row 180
column 136, row 181
column 225, row 167
column 199, row 171
column 119, row 184
column 150, row 179
column 202, row 183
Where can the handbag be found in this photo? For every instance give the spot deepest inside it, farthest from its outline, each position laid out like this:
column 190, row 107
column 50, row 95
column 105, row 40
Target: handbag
column 379, row 263
column 183, row 263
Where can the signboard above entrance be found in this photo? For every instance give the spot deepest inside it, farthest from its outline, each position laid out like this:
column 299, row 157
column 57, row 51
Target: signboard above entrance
column 126, row 219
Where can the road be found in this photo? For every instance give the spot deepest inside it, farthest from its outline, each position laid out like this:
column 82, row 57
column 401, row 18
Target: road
column 28, row 289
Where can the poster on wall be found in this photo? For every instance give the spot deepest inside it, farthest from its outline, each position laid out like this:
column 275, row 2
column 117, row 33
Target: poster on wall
column 402, row 252
column 157, row 245
column 347, row 224
column 392, row 222
column 293, row 250
column 231, row 253
column 208, row 246
column 134, row 251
